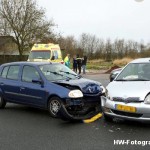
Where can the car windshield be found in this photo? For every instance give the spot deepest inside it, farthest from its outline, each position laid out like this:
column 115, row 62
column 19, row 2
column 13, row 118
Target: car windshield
column 135, row 72
column 54, row 72
column 40, row 55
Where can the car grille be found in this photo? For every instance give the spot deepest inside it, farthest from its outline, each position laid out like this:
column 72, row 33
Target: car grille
column 127, row 100
column 126, row 113
column 91, row 98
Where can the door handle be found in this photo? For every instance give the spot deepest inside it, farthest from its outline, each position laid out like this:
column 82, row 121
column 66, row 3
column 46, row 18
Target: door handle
column 22, row 88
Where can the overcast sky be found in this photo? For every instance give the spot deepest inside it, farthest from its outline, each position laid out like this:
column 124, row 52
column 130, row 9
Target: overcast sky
column 112, row 19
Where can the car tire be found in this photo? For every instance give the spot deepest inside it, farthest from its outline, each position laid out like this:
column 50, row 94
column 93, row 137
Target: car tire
column 2, row 102
column 107, row 118
column 54, row 106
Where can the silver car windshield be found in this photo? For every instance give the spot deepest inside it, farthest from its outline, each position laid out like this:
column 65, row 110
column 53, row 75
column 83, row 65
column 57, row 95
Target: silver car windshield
column 135, row 72
column 54, row 72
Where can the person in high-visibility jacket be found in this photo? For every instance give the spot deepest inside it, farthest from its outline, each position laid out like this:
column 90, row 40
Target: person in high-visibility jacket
column 67, row 60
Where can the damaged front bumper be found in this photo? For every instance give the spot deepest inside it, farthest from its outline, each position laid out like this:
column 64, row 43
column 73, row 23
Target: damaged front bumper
column 80, row 109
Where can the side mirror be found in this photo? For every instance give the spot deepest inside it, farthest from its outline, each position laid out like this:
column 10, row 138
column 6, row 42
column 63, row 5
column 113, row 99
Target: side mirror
column 113, row 76
column 38, row 81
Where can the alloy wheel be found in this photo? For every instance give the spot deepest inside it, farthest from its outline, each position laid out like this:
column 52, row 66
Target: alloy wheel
column 54, row 107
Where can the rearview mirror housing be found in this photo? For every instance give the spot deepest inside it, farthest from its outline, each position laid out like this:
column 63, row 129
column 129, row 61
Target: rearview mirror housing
column 38, row 81
column 113, row 76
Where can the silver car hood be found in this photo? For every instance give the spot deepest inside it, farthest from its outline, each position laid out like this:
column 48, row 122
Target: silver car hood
column 126, row 89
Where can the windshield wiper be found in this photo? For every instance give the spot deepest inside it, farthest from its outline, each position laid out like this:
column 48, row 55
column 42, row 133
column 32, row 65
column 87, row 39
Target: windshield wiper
column 56, row 73
column 121, row 80
column 139, row 79
column 67, row 72
column 133, row 80
column 78, row 76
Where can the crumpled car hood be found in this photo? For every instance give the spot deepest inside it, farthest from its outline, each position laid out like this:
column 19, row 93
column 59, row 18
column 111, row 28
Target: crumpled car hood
column 86, row 86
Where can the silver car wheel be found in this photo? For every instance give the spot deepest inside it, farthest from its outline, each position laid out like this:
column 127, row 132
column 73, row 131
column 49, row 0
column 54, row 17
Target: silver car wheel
column 54, row 107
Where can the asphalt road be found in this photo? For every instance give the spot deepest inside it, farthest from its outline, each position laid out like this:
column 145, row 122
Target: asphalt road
column 25, row 128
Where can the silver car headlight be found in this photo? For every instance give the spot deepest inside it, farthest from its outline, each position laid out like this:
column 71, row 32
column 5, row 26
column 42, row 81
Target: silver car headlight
column 107, row 95
column 103, row 89
column 75, row 94
column 147, row 99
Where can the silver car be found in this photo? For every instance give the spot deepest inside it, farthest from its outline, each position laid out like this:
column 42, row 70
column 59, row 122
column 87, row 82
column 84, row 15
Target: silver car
column 128, row 95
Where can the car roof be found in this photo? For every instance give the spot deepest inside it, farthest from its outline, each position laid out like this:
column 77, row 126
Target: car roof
column 141, row 60
column 28, row 63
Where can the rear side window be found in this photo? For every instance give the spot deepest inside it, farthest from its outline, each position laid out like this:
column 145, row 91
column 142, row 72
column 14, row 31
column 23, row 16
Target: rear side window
column 13, row 72
column 4, row 72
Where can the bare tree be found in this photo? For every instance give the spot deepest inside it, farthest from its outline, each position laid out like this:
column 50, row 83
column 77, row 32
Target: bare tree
column 70, row 45
column 25, row 21
column 119, row 47
column 100, row 49
column 89, row 44
column 108, row 49
column 83, row 42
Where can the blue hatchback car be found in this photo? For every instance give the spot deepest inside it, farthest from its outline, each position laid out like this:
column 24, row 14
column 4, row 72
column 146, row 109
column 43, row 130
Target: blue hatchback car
column 51, row 86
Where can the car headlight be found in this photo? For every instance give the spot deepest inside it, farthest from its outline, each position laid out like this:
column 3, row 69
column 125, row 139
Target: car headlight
column 75, row 94
column 107, row 95
column 147, row 99
column 103, row 89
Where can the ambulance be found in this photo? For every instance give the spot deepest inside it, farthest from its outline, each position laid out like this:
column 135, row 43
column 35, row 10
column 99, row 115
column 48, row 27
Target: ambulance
column 45, row 53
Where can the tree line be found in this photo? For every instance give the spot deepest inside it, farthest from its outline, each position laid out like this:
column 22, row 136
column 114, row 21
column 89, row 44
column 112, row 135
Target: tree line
column 28, row 24
column 99, row 48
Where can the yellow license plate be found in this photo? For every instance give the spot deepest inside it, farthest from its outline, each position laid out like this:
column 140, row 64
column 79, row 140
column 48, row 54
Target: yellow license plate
column 126, row 108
